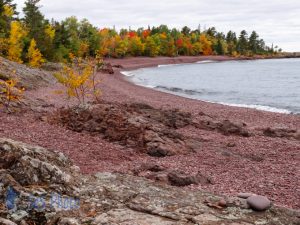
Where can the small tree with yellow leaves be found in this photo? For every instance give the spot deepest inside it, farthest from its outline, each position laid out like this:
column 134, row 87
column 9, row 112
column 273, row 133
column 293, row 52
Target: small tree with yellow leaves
column 79, row 79
column 10, row 93
column 34, row 55
column 15, row 42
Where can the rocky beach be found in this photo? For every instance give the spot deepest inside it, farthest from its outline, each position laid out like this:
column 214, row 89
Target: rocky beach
column 171, row 144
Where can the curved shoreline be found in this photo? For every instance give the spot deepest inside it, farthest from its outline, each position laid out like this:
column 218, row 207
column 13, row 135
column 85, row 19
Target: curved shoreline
column 264, row 118
column 182, row 92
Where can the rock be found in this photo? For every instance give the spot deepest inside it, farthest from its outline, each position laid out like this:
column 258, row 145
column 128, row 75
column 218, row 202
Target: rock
column 19, row 215
column 231, row 144
column 281, row 132
column 28, row 77
column 297, row 136
column 130, row 217
column 222, row 203
column 225, row 127
column 68, row 221
column 107, row 68
column 179, row 179
column 116, row 199
column 152, row 131
column 6, row 222
column 245, row 195
column 259, row 203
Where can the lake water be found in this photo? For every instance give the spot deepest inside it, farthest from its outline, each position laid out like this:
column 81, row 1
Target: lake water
column 271, row 85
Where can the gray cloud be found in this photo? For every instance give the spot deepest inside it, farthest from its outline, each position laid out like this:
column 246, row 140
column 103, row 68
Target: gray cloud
column 276, row 21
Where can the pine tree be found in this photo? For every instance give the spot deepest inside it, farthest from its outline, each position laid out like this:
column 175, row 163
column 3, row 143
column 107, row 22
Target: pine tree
column 242, row 45
column 7, row 11
column 35, row 22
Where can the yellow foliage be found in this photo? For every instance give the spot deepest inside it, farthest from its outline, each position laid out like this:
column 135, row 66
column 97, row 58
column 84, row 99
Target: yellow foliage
column 9, row 92
column 206, row 45
column 8, row 11
column 3, row 46
column 83, row 49
column 79, row 78
column 15, row 49
column 34, row 55
column 50, row 32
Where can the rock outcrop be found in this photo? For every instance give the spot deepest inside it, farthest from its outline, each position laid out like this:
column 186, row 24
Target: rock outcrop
column 29, row 78
column 38, row 186
column 150, row 130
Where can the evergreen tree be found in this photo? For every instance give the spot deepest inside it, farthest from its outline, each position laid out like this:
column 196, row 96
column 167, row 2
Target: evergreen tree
column 242, row 45
column 254, row 42
column 35, row 22
column 7, row 10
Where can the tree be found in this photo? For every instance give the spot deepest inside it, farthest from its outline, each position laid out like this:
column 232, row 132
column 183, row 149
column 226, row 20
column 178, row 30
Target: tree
column 206, row 45
column 7, row 11
column 151, row 48
column 79, row 79
column 231, row 41
column 34, row 55
column 15, row 42
column 186, row 30
column 254, row 42
column 242, row 45
column 136, row 47
column 35, row 22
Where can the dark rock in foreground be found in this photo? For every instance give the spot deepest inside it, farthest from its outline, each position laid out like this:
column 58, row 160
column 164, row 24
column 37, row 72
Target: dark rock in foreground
column 140, row 126
column 44, row 187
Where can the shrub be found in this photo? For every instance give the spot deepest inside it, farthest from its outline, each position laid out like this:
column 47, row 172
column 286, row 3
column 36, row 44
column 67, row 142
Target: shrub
column 79, row 79
column 10, row 93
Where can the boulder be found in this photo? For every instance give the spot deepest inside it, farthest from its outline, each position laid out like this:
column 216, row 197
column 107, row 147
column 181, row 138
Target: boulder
column 259, row 203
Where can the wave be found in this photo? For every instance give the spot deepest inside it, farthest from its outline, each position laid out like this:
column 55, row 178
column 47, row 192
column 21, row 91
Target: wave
column 168, row 65
column 259, row 107
column 127, row 73
column 187, row 91
column 206, row 61
column 204, row 92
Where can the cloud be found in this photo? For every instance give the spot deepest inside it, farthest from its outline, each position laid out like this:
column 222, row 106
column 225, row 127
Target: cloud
column 276, row 21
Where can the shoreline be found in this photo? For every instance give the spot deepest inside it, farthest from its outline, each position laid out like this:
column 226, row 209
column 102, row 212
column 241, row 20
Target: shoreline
column 129, row 73
column 131, row 64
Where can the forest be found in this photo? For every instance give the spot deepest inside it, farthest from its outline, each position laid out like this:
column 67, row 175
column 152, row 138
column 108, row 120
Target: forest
column 33, row 39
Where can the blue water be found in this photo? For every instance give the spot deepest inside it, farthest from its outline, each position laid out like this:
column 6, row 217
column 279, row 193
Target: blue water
column 272, row 85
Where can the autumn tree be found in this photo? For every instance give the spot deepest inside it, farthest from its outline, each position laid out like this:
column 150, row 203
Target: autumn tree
column 34, row 55
column 206, row 45
column 15, row 42
column 151, row 47
column 135, row 46
column 79, row 79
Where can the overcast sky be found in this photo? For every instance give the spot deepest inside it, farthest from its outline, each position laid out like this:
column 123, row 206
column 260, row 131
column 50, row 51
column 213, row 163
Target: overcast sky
column 277, row 21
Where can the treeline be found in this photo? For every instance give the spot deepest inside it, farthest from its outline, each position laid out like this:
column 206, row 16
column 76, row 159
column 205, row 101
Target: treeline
column 33, row 39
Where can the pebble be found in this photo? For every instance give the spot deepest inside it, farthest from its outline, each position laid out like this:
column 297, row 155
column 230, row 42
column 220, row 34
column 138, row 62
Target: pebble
column 259, row 203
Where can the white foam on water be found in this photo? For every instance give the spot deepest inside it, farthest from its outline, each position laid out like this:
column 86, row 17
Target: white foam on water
column 127, row 73
column 258, row 107
column 206, row 61
column 167, row 65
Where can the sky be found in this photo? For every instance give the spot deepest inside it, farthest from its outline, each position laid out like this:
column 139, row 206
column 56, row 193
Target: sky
column 276, row 21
